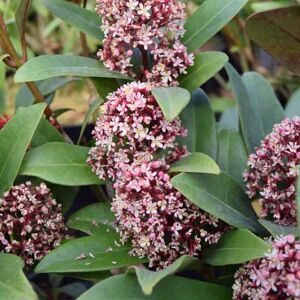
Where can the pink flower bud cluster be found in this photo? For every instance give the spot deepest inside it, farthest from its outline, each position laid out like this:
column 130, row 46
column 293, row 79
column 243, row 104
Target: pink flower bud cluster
column 151, row 29
column 3, row 120
column 161, row 224
column 132, row 122
column 31, row 222
column 275, row 277
column 273, row 171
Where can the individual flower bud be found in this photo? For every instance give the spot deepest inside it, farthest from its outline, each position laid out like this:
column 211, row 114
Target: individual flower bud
column 131, row 123
column 158, row 220
column 31, row 222
column 3, row 120
column 273, row 170
column 276, row 276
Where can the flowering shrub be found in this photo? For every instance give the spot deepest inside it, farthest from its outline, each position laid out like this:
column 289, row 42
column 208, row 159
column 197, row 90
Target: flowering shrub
column 157, row 190
column 31, row 222
column 276, row 276
column 273, row 172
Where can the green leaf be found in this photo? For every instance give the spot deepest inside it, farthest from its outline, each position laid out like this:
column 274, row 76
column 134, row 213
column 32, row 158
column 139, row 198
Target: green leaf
column 195, row 163
column 209, row 18
column 219, row 195
column 267, row 108
column 2, row 87
column 45, row 133
column 206, row 65
column 13, row 283
column 258, row 7
column 198, row 118
column 21, row 16
column 172, row 100
column 47, row 66
column 104, row 86
column 88, row 116
column 25, row 98
column 293, row 106
column 59, row 163
column 15, row 138
column 230, row 119
column 149, row 279
column 232, row 155
column 236, row 247
column 252, row 131
column 277, row 32
column 125, row 287
column 277, row 230
column 101, row 251
column 92, row 219
column 81, row 18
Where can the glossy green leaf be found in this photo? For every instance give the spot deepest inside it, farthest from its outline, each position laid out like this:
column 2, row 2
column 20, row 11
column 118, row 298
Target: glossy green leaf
column 277, row 230
column 172, row 100
column 85, row 20
column 209, row 18
column 88, row 254
column 195, row 163
column 267, row 108
column 93, row 107
column 15, row 138
column 48, row 66
column 258, row 7
column 45, row 133
column 25, row 98
column 149, row 279
column 126, row 287
column 13, row 283
column 252, row 131
column 198, row 118
column 232, row 155
column 219, row 195
column 236, row 247
column 206, row 65
column 92, row 219
column 293, row 106
column 59, row 163
column 277, row 31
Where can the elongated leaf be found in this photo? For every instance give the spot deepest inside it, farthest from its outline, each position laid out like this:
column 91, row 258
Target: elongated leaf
column 88, row 116
column 267, row 108
column 236, row 247
column 230, row 119
column 277, row 230
column 2, row 86
column 196, row 163
column 88, row 254
column 48, row 66
column 198, row 118
column 21, row 16
column 59, row 163
column 81, row 18
column 92, row 218
column 25, row 98
column 15, row 138
column 252, row 131
column 13, row 282
column 293, row 106
column 123, row 287
column 206, row 65
column 219, row 195
column 45, row 133
column 258, row 7
column 104, row 86
column 232, row 155
column 210, row 18
column 172, row 100
column 149, row 279
column 277, row 31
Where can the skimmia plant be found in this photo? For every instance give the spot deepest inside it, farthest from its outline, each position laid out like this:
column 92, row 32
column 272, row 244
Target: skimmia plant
column 191, row 202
